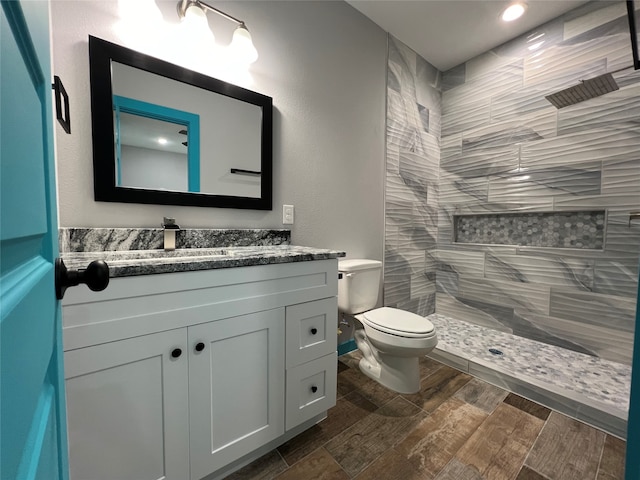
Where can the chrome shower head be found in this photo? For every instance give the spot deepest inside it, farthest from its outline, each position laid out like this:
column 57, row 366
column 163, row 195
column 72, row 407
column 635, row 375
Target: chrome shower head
column 585, row 90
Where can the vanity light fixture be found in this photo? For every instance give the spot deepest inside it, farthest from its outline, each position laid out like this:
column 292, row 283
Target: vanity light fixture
column 241, row 46
column 514, row 11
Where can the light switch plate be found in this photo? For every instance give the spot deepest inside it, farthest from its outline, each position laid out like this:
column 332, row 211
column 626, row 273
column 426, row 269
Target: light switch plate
column 287, row 214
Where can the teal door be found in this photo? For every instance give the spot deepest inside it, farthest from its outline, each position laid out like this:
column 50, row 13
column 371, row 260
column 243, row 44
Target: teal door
column 33, row 442
column 632, row 468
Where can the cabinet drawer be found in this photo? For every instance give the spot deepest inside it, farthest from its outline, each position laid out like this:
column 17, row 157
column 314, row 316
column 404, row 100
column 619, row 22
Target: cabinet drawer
column 311, row 330
column 311, row 389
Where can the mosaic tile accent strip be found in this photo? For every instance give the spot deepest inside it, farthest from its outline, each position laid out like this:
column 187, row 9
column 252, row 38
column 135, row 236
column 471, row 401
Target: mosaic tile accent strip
column 539, row 229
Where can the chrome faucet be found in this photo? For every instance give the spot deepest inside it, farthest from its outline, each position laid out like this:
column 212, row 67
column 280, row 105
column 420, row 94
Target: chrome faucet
column 170, row 229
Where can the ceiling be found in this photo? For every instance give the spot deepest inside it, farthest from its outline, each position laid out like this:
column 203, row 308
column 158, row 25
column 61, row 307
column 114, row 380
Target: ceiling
column 138, row 131
column 449, row 32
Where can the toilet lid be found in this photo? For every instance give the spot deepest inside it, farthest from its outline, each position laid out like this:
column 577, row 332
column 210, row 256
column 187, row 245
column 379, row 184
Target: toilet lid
column 398, row 320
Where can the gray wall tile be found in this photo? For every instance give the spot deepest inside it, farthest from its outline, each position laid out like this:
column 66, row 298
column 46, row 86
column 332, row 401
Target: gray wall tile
column 594, row 309
column 588, row 22
column 494, row 145
column 618, row 277
column 605, row 342
column 528, row 297
column 459, row 261
column 455, row 189
column 479, row 163
column 622, row 176
column 581, row 179
column 476, row 113
column 620, row 107
column 598, row 144
column 411, row 188
column 505, row 149
column 557, row 271
column 486, row 315
column 561, row 61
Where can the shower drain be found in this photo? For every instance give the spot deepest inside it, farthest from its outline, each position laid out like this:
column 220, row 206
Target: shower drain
column 495, row 351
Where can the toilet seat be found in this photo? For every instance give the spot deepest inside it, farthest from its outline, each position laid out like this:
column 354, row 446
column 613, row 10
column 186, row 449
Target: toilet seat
column 398, row 322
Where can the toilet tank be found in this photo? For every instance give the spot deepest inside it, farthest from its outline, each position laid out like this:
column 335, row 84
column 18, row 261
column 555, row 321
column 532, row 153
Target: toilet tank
column 358, row 284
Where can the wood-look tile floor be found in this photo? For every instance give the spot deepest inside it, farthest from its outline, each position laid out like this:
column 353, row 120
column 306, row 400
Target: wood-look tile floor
column 455, row 428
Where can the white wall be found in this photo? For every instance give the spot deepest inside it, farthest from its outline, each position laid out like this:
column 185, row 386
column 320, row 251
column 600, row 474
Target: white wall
column 147, row 168
column 323, row 63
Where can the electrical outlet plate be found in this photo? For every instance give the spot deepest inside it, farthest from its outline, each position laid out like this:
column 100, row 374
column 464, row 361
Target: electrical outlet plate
column 287, row 214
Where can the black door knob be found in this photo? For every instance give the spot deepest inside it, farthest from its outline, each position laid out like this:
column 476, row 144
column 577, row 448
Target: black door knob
column 176, row 352
column 95, row 276
column 314, row 389
column 314, row 331
column 199, row 346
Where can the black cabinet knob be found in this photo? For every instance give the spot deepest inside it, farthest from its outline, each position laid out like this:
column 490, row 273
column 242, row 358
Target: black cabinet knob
column 199, row 346
column 96, row 276
column 176, row 352
column 314, row 389
column 314, row 330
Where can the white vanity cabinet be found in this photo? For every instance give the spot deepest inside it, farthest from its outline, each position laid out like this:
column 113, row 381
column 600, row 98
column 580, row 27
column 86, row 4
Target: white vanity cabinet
column 190, row 375
column 311, row 335
column 236, row 388
column 128, row 412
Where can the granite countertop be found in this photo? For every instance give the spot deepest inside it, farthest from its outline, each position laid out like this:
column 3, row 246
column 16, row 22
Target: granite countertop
column 128, row 263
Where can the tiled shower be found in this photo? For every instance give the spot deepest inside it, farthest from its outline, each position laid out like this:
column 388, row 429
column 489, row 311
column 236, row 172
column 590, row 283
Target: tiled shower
column 507, row 213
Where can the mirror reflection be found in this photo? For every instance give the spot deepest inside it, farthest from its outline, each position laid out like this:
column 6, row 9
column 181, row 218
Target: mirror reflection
column 229, row 130
column 164, row 134
column 150, row 153
column 152, row 146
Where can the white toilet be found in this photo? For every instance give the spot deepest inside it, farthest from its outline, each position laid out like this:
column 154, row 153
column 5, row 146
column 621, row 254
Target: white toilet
column 391, row 340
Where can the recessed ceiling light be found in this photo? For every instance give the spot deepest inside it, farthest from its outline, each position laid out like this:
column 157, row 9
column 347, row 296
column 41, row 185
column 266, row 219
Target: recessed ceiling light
column 513, row 11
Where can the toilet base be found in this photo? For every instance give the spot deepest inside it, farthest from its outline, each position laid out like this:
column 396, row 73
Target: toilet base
column 391, row 360
column 400, row 374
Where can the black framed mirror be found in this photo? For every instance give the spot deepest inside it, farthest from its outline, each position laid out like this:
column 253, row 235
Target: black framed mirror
column 166, row 135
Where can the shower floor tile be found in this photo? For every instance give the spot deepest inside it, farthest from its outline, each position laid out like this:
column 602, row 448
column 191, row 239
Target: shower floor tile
column 591, row 389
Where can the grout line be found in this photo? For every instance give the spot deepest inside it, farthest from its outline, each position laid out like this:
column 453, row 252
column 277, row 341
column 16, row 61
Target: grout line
column 280, row 455
column 401, row 439
column 305, row 457
column 453, row 457
column 466, row 441
column 601, row 455
column 536, row 472
column 524, row 463
column 431, row 372
column 336, row 462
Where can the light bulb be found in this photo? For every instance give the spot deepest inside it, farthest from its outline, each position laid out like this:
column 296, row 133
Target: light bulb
column 514, row 11
column 241, row 47
column 140, row 25
column 195, row 25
